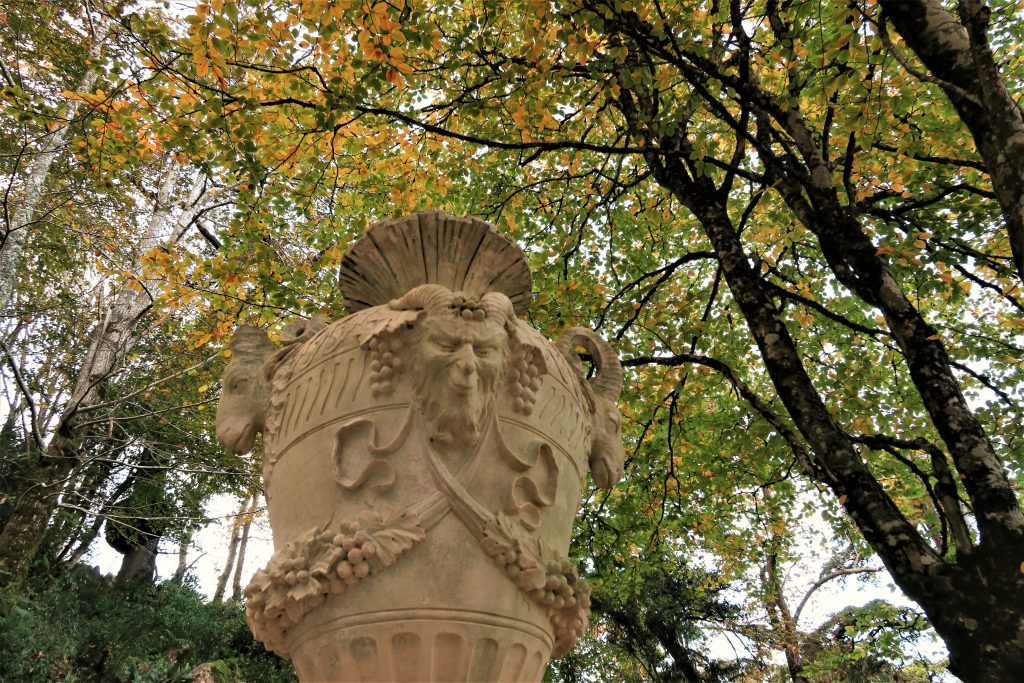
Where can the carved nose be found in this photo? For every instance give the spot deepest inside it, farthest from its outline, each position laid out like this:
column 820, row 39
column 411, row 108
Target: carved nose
column 463, row 371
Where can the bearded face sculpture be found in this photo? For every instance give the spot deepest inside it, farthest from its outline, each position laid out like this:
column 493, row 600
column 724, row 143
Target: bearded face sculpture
column 460, row 363
column 462, row 345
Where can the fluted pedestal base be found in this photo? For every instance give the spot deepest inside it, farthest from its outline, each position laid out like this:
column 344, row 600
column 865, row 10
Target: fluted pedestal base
column 428, row 645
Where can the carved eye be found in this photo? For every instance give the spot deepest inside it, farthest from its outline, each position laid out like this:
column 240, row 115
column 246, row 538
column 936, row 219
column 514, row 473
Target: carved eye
column 482, row 350
column 238, row 383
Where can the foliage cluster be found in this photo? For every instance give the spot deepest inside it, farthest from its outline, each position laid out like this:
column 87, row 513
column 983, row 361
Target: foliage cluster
column 79, row 627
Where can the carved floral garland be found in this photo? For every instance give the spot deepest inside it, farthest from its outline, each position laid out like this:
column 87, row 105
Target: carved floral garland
column 544, row 577
column 300, row 576
column 320, row 562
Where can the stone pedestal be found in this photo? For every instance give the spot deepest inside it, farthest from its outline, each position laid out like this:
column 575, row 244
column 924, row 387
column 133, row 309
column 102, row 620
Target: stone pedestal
column 424, row 460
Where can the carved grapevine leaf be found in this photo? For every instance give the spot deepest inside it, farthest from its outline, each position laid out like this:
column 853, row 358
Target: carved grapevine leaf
column 531, row 579
column 276, row 602
column 302, row 591
column 260, row 582
column 392, row 531
column 393, row 542
column 324, row 564
column 499, row 539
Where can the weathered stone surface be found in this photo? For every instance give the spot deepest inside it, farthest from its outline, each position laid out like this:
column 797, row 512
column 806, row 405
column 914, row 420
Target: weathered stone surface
column 424, row 458
column 463, row 254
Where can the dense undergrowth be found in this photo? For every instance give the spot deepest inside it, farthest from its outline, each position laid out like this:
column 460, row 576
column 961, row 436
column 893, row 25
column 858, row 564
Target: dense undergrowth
column 80, row 627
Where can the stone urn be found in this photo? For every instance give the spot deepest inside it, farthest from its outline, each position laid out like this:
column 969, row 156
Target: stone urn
column 424, row 458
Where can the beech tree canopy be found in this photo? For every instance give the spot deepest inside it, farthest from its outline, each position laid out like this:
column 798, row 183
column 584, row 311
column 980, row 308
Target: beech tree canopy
column 801, row 224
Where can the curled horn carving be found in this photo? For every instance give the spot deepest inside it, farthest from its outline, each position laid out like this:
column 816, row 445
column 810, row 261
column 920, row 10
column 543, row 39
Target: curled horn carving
column 608, row 382
column 424, row 297
column 606, row 456
column 250, row 342
column 498, row 307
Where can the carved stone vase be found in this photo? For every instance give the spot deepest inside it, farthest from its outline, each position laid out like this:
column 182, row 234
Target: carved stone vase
column 424, row 459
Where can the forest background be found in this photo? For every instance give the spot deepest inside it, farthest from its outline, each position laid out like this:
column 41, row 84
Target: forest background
column 801, row 223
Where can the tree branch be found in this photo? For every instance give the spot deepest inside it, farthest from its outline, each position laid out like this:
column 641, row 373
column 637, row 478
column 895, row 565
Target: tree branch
column 37, row 438
column 742, row 389
column 829, row 577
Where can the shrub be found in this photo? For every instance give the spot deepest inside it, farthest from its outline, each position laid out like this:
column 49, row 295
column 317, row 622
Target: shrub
column 79, row 627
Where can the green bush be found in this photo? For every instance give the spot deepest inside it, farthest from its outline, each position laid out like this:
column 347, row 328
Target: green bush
column 79, row 627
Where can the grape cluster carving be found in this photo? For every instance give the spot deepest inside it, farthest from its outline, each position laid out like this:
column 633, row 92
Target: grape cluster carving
column 544, row 577
column 525, row 379
column 320, row 562
column 385, row 364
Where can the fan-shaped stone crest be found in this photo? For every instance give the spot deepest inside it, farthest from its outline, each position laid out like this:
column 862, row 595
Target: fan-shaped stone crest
column 462, row 254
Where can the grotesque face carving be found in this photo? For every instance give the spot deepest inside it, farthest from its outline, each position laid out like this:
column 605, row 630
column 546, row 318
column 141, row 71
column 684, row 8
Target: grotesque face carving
column 457, row 349
column 245, row 396
column 461, row 359
column 607, row 455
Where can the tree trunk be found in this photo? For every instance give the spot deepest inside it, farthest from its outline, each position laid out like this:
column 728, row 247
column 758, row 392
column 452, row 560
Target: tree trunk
column 229, row 565
column 960, row 58
column 236, row 584
column 139, row 564
column 179, row 573
column 50, row 146
column 781, row 617
column 23, row 532
column 109, row 342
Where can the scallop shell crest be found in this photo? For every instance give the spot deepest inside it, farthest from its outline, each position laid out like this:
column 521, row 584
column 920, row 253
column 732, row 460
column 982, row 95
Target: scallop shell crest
column 462, row 254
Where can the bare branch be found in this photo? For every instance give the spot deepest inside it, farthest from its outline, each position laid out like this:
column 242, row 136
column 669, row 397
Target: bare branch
column 829, row 577
column 148, row 387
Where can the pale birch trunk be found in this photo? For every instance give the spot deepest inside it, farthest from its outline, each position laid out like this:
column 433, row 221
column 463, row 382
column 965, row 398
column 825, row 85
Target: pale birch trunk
column 229, row 565
column 50, row 146
column 179, row 573
column 236, row 584
column 109, row 342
